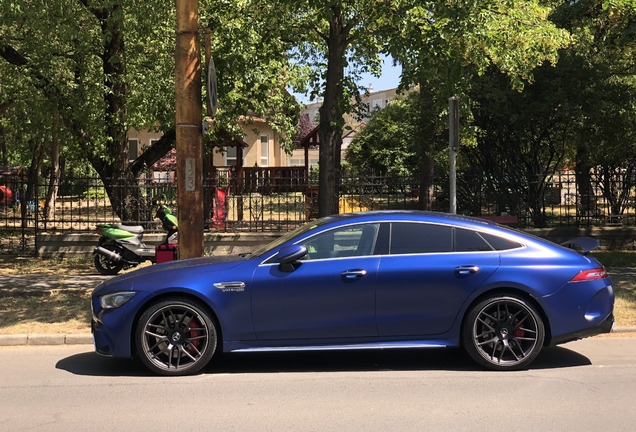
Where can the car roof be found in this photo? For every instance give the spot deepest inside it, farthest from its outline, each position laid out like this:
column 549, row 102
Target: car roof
column 411, row 215
column 461, row 221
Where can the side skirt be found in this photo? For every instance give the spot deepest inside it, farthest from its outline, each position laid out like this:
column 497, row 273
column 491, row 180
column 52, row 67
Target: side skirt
column 342, row 347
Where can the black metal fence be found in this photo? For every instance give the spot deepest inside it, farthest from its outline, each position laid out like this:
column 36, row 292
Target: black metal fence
column 280, row 203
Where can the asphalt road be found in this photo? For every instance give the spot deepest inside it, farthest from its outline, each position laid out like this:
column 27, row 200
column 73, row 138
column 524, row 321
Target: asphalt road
column 588, row 385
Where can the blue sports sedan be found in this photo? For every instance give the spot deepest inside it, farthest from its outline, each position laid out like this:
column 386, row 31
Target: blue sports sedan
column 393, row 279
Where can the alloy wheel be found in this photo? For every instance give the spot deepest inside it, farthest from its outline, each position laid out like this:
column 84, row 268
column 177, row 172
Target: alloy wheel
column 176, row 338
column 505, row 333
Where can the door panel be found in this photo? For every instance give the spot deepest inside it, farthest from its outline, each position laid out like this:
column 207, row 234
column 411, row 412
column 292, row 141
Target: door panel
column 320, row 299
column 421, row 294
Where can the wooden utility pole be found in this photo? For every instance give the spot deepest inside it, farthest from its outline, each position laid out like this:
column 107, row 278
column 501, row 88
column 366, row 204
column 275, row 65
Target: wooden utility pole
column 188, row 128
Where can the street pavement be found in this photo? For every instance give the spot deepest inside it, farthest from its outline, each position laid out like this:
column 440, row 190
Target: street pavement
column 39, row 284
column 588, row 385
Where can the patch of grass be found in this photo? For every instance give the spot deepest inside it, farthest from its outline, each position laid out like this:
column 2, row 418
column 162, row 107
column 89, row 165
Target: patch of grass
column 67, row 311
column 625, row 304
column 12, row 265
column 615, row 258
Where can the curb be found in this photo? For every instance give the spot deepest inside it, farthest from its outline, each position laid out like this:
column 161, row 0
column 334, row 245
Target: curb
column 87, row 338
column 46, row 339
column 624, row 329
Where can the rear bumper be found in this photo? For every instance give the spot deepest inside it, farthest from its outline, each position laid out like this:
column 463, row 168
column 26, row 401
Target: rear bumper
column 604, row 327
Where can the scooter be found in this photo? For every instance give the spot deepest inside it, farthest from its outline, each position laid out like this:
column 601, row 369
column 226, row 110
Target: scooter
column 121, row 246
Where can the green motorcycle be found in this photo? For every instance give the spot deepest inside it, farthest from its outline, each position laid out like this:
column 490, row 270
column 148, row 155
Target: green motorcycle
column 121, row 246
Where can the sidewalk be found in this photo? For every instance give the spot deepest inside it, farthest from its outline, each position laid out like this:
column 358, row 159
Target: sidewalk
column 39, row 284
column 42, row 284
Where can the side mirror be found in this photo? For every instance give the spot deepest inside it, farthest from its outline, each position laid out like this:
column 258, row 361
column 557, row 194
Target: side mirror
column 288, row 255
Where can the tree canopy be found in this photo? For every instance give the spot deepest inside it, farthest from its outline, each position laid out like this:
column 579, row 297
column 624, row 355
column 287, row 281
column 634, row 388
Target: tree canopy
column 80, row 74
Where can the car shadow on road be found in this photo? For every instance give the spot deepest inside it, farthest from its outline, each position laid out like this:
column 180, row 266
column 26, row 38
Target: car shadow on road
column 446, row 359
column 93, row 364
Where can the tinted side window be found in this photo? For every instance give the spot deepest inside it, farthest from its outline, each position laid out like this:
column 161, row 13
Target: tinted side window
column 500, row 243
column 408, row 238
column 358, row 240
column 469, row 241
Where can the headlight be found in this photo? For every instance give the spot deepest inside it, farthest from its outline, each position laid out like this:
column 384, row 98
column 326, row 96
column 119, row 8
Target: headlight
column 115, row 300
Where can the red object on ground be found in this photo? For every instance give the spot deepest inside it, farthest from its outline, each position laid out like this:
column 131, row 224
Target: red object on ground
column 219, row 218
column 165, row 253
column 6, row 196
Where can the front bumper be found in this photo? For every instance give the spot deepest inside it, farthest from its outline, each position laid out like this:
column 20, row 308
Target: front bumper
column 112, row 328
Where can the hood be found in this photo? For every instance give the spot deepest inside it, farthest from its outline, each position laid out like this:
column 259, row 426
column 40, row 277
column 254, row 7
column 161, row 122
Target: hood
column 218, row 263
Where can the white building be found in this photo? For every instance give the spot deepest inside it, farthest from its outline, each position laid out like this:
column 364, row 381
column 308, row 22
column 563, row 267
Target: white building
column 373, row 101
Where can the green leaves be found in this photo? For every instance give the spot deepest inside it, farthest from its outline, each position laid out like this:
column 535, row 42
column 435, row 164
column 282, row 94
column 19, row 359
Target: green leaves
column 249, row 48
column 451, row 40
column 390, row 142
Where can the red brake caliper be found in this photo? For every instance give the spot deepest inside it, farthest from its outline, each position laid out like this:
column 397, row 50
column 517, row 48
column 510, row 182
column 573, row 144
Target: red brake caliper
column 194, row 324
column 520, row 333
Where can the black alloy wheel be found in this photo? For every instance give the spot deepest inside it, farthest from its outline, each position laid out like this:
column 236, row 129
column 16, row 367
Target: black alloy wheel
column 503, row 332
column 175, row 337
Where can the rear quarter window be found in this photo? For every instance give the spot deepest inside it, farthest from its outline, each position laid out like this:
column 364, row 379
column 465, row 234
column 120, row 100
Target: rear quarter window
column 470, row 241
column 499, row 243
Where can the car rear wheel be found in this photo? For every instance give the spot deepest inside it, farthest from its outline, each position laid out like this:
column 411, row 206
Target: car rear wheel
column 503, row 332
column 175, row 337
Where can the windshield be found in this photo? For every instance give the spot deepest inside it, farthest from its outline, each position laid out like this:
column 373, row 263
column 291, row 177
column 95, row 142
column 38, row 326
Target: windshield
column 290, row 235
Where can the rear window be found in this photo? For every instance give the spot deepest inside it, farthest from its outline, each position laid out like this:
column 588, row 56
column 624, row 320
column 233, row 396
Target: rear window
column 499, row 243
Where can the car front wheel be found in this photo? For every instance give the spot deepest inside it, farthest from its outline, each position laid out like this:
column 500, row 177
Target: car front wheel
column 503, row 332
column 175, row 337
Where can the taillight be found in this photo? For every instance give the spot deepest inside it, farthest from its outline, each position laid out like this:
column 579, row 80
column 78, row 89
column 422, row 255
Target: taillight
column 99, row 231
column 590, row 274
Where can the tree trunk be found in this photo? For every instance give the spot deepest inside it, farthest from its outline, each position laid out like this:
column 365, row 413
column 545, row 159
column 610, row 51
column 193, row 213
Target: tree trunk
column 427, row 163
column 586, row 200
column 121, row 185
column 331, row 121
column 54, row 180
column 3, row 148
column 427, row 182
column 32, row 180
column 114, row 66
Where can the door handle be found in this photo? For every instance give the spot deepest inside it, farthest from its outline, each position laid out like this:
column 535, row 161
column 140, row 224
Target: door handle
column 464, row 270
column 353, row 274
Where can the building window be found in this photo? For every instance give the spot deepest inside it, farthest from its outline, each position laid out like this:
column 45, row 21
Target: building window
column 313, row 162
column 133, row 149
column 230, row 155
column 377, row 103
column 264, row 150
column 163, row 176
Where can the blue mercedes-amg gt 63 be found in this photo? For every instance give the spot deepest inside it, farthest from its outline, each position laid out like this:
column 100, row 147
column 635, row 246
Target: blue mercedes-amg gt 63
column 385, row 279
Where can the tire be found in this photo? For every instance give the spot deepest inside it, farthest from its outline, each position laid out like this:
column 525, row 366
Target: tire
column 105, row 266
column 503, row 332
column 175, row 337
